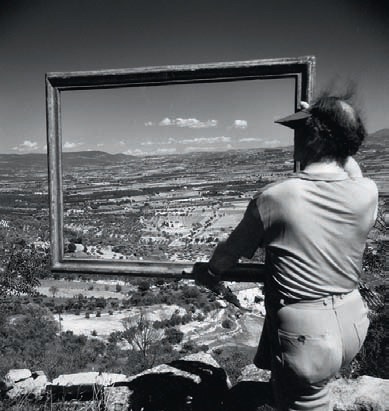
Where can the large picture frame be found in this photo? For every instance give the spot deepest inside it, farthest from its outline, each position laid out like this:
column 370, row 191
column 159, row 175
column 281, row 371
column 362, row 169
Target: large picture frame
column 301, row 70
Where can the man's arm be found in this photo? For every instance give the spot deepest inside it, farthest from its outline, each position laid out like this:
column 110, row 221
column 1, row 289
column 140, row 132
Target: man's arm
column 242, row 242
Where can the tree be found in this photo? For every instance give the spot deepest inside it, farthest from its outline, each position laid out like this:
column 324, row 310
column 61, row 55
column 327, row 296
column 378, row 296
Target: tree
column 20, row 268
column 143, row 337
column 53, row 290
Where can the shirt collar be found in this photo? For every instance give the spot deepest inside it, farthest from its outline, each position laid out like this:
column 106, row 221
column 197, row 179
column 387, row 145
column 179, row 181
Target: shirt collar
column 342, row 175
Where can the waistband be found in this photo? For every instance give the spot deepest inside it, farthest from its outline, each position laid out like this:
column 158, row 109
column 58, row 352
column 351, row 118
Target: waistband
column 328, row 301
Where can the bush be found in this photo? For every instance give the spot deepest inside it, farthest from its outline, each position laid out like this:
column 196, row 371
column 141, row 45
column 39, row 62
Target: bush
column 227, row 323
column 173, row 336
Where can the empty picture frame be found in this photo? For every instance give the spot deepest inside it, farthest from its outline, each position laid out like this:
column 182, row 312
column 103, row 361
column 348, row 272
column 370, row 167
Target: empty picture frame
column 300, row 70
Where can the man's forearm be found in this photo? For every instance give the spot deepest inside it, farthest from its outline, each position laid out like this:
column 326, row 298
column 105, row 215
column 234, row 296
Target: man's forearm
column 223, row 259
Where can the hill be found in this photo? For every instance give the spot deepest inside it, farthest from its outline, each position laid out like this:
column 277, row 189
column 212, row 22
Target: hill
column 73, row 159
column 379, row 138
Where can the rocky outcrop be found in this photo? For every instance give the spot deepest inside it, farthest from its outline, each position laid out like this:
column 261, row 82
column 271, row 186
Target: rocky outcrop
column 361, row 394
column 84, row 386
column 194, row 383
column 24, row 383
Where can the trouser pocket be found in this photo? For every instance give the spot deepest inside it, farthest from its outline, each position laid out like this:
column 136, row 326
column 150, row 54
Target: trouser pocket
column 354, row 341
column 309, row 359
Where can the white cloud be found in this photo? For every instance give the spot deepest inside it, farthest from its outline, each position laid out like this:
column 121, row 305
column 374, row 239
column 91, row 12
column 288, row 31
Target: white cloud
column 272, row 143
column 26, row 146
column 242, row 124
column 165, row 122
column 206, row 140
column 188, row 122
column 166, row 150
column 149, row 124
column 135, row 152
column 68, row 145
column 250, row 139
column 100, row 144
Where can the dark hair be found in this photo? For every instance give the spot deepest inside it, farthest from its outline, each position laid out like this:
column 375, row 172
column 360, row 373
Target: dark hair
column 335, row 129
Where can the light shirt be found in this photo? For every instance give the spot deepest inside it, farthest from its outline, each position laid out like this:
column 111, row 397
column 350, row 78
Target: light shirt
column 314, row 227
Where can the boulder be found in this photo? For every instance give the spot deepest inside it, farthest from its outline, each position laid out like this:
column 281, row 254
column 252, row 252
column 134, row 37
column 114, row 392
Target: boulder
column 252, row 373
column 14, row 376
column 24, row 383
column 252, row 391
column 195, row 383
column 361, row 394
column 84, row 386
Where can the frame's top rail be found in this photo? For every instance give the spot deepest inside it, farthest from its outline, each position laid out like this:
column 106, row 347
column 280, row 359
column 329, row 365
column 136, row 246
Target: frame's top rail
column 190, row 73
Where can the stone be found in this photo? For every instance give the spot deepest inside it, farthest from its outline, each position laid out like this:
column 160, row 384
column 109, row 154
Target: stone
column 89, row 378
column 30, row 387
column 14, row 376
column 196, row 383
column 361, row 394
column 252, row 373
column 84, row 386
column 116, row 398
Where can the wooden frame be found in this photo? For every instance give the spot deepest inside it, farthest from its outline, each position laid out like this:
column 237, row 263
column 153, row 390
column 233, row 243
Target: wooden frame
column 301, row 69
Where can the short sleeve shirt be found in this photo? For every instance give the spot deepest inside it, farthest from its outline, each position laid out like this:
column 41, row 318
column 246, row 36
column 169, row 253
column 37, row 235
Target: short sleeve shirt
column 314, row 228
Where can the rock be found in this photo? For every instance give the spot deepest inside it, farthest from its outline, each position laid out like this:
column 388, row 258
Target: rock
column 252, row 391
column 116, row 398
column 14, row 376
column 195, row 383
column 362, row 394
column 23, row 383
column 252, row 373
column 89, row 378
column 83, row 386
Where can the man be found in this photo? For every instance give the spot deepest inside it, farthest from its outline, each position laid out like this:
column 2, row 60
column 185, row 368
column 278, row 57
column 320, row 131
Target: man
column 314, row 227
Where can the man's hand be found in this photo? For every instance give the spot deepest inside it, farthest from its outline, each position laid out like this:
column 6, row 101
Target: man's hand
column 204, row 276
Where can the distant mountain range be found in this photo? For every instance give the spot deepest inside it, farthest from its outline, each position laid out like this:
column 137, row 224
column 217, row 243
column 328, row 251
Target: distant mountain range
column 380, row 137
column 376, row 140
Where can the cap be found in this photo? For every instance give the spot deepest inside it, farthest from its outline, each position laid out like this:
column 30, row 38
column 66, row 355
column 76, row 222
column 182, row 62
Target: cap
column 294, row 120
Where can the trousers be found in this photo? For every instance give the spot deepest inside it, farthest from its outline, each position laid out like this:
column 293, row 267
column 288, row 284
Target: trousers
column 307, row 343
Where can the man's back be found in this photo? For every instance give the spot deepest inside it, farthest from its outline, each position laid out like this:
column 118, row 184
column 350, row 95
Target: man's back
column 315, row 228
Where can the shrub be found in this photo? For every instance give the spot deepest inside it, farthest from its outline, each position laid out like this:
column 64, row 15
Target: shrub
column 173, row 336
column 87, row 314
column 227, row 323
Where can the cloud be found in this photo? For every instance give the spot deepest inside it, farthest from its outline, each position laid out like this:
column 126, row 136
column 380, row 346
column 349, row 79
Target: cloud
column 100, row 144
column 149, row 124
column 187, row 122
column 27, row 145
column 250, row 139
column 166, row 150
column 135, row 152
column 206, row 140
column 272, row 143
column 241, row 124
column 69, row 145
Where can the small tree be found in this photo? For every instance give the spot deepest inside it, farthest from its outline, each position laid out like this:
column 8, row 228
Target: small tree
column 143, row 337
column 53, row 290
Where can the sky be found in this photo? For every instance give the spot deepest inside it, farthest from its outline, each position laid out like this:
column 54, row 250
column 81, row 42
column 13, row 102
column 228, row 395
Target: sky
column 349, row 38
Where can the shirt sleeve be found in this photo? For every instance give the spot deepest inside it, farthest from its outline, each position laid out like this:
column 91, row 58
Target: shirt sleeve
column 248, row 234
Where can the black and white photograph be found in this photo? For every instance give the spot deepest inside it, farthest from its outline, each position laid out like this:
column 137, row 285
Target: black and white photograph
column 193, row 205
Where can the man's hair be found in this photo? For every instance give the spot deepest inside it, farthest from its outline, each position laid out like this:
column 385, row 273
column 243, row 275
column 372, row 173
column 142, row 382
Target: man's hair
column 335, row 129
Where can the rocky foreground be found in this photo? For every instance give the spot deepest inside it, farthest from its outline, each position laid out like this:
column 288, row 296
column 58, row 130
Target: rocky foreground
column 194, row 383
